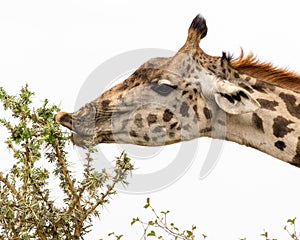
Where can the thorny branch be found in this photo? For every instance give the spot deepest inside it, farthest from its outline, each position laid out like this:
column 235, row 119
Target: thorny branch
column 10, row 186
column 159, row 226
column 27, row 210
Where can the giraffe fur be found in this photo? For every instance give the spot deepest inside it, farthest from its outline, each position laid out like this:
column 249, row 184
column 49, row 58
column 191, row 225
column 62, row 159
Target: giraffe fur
column 192, row 95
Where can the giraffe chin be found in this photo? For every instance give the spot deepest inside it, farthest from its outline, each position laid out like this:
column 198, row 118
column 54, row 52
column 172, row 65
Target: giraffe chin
column 87, row 141
column 80, row 140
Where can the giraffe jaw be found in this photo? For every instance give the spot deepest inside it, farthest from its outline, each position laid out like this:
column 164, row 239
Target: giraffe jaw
column 86, row 141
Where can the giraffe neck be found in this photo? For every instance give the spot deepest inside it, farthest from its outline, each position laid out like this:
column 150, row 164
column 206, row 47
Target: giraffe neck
column 274, row 128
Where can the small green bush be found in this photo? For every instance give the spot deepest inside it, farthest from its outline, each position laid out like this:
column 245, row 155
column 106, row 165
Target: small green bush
column 27, row 210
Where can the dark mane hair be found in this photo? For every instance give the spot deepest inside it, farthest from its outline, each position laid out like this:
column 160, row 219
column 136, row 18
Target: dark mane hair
column 250, row 65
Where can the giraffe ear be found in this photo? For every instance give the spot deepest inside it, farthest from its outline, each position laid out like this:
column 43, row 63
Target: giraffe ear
column 233, row 99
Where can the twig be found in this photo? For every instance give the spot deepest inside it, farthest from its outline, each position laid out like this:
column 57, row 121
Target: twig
column 76, row 197
column 11, row 187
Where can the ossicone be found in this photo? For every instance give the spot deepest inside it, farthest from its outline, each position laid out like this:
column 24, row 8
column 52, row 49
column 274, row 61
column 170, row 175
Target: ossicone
column 197, row 31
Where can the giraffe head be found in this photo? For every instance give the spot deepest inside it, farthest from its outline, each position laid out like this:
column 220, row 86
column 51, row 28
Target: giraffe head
column 166, row 100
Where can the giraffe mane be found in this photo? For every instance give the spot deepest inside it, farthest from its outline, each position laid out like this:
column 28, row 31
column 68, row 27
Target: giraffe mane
column 252, row 66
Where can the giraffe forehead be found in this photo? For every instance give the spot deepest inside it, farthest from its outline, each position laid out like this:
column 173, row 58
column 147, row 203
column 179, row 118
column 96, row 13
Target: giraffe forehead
column 196, row 69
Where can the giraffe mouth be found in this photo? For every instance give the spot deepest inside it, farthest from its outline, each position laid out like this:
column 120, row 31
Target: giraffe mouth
column 87, row 130
column 77, row 125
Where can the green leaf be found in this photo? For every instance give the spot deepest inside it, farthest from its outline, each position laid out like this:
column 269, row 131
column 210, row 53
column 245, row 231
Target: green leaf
column 151, row 223
column 147, row 203
column 165, row 212
column 265, row 234
column 151, row 234
column 189, row 233
column 291, row 221
column 134, row 220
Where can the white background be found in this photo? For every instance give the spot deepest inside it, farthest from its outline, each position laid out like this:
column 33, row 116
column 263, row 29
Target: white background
column 55, row 45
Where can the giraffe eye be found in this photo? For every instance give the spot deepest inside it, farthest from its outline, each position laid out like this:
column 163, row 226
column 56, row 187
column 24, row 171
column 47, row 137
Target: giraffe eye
column 163, row 89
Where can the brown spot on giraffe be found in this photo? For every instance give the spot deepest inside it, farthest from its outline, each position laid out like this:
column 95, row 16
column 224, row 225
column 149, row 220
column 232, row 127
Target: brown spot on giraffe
column 280, row 145
column 138, row 120
column 267, row 104
column 152, row 118
column 184, row 92
column 290, row 102
column 280, row 127
column 123, row 87
column 260, row 86
column 236, row 75
column 258, row 122
column 296, row 159
column 206, row 130
column 207, row 113
column 146, row 137
column 133, row 133
column 105, row 104
column 168, row 115
column 173, row 125
column 171, row 134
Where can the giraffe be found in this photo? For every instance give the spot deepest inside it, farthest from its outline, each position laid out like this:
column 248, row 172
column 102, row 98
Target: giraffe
column 192, row 95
